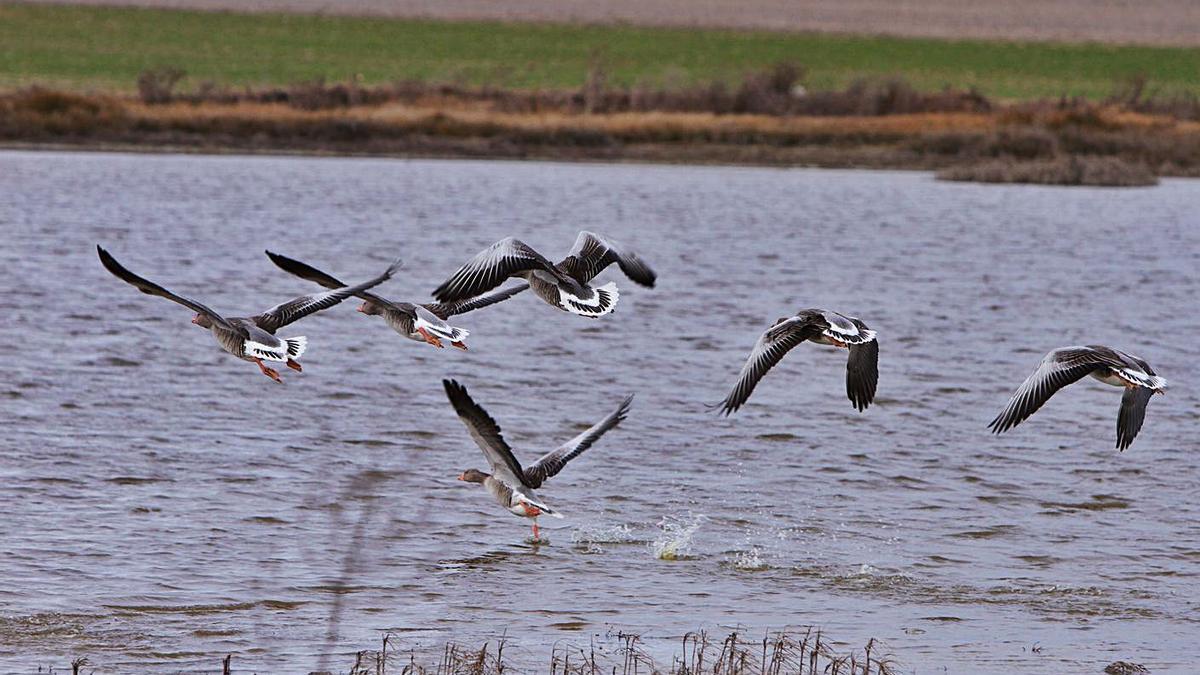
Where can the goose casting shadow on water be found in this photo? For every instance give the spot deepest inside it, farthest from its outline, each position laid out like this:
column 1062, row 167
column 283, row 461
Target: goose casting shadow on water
column 1066, row 365
column 822, row 327
column 564, row 285
column 423, row 323
column 252, row 338
column 510, row 484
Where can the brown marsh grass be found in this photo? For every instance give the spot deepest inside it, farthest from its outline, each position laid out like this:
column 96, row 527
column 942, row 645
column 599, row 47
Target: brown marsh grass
column 767, row 118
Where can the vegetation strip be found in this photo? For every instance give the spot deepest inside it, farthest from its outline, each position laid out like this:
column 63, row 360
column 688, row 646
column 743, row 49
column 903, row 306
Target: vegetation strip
column 1125, row 142
column 89, row 48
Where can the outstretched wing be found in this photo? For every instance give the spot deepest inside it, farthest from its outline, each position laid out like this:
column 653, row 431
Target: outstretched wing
column 110, row 263
column 445, row 310
column 556, row 459
column 486, row 433
column 768, row 351
column 1058, row 369
column 297, row 308
column 592, row 253
column 489, row 268
column 862, row 370
column 1132, row 414
column 306, row 271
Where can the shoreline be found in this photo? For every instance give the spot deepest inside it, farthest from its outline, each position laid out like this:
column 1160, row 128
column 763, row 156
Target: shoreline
column 1064, row 143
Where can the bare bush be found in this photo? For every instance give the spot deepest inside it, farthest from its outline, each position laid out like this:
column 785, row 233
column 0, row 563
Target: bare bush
column 157, row 85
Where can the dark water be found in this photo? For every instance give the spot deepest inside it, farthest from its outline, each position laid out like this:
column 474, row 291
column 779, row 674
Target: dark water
column 165, row 504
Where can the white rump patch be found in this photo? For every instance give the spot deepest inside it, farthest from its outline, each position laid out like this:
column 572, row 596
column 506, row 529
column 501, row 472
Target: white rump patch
column 1149, row 381
column 602, row 302
column 546, row 510
column 296, row 346
column 265, row 352
column 445, row 331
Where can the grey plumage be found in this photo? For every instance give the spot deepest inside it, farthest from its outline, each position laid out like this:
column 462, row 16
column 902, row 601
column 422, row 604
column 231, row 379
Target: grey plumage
column 566, row 285
column 251, row 338
column 518, row 483
column 816, row 325
column 1066, row 365
column 402, row 317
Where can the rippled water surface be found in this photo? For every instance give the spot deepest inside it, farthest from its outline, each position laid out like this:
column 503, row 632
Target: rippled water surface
column 165, row 504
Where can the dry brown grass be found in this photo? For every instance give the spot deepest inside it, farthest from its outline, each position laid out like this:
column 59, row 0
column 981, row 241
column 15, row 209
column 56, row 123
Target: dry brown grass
column 434, row 123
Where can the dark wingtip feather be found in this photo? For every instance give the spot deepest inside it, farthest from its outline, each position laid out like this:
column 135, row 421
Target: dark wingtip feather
column 110, row 263
column 442, row 293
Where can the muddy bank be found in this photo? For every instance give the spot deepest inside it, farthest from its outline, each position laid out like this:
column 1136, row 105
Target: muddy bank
column 1044, row 134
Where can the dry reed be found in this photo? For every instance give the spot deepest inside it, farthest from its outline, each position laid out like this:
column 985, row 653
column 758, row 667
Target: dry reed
column 806, row 652
column 766, row 118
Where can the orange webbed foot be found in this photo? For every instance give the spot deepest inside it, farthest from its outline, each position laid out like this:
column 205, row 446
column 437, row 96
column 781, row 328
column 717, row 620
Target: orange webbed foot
column 269, row 372
column 294, row 365
column 430, row 338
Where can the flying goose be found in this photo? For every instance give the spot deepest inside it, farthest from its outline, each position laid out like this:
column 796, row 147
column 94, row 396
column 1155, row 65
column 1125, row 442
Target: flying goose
column 820, row 326
column 1066, row 365
column 252, row 338
column 423, row 323
column 512, row 485
column 564, row 285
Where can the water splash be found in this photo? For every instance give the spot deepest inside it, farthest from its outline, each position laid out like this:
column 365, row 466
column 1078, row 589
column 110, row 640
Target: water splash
column 751, row 560
column 592, row 536
column 675, row 541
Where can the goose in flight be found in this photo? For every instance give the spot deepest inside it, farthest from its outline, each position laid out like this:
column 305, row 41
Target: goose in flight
column 423, row 323
column 510, row 484
column 252, row 338
column 1069, row 364
column 565, row 285
column 820, row 326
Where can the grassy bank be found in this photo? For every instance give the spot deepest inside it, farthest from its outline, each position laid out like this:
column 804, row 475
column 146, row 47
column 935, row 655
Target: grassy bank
column 1029, row 141
column 93, row 48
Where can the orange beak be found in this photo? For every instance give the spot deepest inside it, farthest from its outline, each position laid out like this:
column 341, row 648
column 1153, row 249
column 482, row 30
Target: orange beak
column 462, row 476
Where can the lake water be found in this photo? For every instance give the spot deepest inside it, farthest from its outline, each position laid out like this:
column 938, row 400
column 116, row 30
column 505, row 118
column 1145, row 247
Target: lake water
column 165, row 504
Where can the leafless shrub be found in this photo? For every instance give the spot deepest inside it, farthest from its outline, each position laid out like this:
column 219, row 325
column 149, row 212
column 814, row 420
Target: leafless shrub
column 157, row 85
column 1135, row 94
column 37, row 112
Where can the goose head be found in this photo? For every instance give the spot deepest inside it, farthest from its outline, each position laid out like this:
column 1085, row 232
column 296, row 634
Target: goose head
column 472, row 476
column 369, row 308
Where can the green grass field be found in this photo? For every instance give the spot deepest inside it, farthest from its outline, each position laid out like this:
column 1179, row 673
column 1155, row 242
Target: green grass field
column 106, row 48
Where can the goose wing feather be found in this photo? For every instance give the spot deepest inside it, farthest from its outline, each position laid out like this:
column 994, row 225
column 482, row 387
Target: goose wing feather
column 297, row 308
column 862, row 370
column 1058, row 368
column 445, row 310
column 1132, row 414
column 306, row 271
column 554, row 461
column 770, row 349
column 149, row 287
column 486, row 433
column 490, row 267
column 592, row 253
